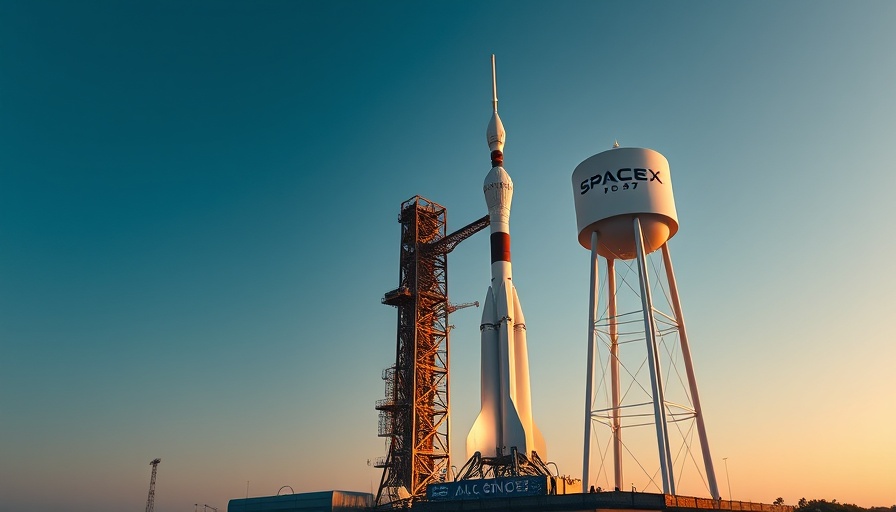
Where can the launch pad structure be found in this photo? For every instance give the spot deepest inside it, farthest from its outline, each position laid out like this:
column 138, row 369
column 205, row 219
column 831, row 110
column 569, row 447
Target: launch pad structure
column 414, row 412
column 624, row 211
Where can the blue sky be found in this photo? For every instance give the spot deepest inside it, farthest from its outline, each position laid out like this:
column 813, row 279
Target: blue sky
column 198, row 206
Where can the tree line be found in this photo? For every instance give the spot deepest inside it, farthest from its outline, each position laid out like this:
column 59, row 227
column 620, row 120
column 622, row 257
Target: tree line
column 805, row 505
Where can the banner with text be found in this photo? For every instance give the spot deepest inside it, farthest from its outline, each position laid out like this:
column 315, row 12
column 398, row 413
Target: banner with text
column 505, row 487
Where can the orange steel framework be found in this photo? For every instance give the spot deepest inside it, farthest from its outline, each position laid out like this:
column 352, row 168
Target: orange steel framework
column 414, row 414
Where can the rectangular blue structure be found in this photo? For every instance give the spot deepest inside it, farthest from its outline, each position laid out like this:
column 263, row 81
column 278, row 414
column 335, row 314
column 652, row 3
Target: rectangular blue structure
column 488, row 488
column 326, row 501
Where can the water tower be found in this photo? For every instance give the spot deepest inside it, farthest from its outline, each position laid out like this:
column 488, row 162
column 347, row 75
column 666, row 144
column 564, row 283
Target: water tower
column 625, row 212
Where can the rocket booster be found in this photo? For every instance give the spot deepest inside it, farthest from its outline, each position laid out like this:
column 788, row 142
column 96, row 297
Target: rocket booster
column 505, row 419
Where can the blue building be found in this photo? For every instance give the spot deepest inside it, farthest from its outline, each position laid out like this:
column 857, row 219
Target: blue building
column 325, row 501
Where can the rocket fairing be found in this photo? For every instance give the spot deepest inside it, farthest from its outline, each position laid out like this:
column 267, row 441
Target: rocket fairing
column 505, row 419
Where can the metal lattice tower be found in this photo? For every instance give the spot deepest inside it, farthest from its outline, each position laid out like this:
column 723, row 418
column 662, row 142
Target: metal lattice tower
column 414, row 414
column 151, row 499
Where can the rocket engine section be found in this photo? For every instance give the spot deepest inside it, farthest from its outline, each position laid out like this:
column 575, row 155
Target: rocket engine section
column 611, row 188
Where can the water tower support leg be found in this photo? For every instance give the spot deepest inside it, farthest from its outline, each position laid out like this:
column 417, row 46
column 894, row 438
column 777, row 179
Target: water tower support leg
column 614, row 372
column 589, row 381
column 689, row 368
column 659, row 406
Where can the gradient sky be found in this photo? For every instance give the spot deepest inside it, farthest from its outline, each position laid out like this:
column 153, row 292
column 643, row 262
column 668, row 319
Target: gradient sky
column 198, row 206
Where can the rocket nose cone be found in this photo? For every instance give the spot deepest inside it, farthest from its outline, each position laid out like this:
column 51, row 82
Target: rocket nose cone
column 495, row 134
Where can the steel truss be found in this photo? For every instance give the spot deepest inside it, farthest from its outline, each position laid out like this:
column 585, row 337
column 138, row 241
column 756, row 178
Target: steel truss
column 414, row 414
column 514, row 464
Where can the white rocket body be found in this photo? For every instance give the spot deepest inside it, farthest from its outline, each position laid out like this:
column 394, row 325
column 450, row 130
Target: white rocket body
column 505, row 419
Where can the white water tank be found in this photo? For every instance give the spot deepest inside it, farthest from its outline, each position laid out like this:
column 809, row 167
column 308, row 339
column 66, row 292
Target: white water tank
column 613, row 187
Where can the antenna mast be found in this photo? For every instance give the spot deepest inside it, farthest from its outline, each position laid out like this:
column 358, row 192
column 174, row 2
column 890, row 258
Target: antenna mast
column 151, row 499
column 494, row 86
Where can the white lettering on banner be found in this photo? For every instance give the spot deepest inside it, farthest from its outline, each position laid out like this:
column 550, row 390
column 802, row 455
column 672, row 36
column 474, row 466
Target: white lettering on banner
column 486, row 488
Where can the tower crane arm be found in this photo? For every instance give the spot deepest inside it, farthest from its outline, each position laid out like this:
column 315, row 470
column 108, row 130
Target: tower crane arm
column 449, row 242
column 454, row 307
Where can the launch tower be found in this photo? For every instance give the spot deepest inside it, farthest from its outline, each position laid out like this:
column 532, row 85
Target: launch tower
column 414, row 413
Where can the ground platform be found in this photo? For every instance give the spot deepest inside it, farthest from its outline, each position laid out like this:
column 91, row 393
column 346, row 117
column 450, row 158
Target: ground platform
column 600, row 501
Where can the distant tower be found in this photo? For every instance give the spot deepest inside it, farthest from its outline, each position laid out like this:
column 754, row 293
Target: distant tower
column 151, row 499
column 625, row 211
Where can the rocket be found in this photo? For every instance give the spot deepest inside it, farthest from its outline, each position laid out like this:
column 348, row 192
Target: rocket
column 505, row 418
